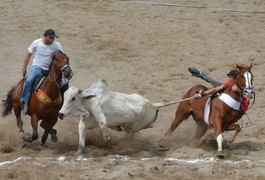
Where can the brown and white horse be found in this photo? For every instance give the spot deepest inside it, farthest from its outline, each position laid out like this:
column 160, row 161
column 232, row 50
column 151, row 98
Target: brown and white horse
column 223, row 111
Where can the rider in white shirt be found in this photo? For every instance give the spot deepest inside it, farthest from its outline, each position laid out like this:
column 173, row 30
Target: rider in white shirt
column 42, row 49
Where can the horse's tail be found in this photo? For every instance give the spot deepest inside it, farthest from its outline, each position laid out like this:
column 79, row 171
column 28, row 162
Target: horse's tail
column 7, row 103
column 160, row 105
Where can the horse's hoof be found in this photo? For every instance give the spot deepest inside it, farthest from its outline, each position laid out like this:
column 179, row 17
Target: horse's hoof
column 54, row 138
column 27, row 137
column 44, row 146
column 222, row 154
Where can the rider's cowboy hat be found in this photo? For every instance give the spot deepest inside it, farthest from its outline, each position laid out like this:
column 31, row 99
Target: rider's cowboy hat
column 233, row 73
column 50, row 32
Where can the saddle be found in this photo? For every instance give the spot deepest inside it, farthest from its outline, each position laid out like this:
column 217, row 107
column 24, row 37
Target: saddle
column 42, row 97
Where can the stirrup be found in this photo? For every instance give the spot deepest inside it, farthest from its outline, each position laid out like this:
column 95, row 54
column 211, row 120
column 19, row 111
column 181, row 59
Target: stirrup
column 25, row 109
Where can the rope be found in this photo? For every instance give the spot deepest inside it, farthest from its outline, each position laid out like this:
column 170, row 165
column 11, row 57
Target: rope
column 249, row 119
column 160, row 105
column 198, row 7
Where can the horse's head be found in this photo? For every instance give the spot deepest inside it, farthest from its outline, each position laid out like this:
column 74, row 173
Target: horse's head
column 61, row 63
column 245, row 80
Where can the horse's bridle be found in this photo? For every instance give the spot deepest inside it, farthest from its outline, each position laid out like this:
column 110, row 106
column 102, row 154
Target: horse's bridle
column 62, row 69
column 246, row 89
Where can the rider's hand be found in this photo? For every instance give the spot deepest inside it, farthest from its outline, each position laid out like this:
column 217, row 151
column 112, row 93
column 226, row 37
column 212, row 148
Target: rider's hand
column 235, row 88
column 24, row 71
column 196, row 96
column 200, row 94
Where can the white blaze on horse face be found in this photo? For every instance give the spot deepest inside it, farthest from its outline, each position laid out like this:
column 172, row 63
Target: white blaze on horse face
column 248, row 89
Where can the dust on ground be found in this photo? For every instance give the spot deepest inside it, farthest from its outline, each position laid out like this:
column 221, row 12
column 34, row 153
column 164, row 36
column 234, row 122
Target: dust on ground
column 138, row 48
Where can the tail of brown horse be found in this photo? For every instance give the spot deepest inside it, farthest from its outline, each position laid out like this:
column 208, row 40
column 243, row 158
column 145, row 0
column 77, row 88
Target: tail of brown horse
column 7, row 103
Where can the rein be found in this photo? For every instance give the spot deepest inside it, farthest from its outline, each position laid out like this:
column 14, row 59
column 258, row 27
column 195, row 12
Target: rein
column 53, row 77
column 254, row 98
column 58, row 66
column 241, row 91
column 242, row 94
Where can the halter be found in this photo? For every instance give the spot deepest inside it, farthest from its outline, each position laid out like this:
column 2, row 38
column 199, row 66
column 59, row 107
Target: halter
column 246, row 90
column 53, row 77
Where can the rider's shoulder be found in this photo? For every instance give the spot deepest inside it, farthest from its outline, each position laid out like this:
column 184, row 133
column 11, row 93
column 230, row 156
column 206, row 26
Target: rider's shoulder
column 227, row 83
column 37, row 40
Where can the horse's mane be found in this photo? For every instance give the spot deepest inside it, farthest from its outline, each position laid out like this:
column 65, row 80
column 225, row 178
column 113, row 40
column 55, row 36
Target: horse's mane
column 54, row 54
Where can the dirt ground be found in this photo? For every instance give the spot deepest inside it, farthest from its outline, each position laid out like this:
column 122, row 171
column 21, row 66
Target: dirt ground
column 138, row 48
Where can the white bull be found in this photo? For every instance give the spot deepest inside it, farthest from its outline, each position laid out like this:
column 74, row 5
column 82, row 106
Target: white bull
column 100, row 107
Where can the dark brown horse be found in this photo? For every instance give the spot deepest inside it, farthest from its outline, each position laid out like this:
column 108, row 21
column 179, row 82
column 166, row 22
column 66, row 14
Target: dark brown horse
column 44, row 103
column 222, row 117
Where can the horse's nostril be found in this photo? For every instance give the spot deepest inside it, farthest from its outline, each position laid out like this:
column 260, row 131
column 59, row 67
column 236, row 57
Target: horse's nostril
column 61, row 116
column 68, row 73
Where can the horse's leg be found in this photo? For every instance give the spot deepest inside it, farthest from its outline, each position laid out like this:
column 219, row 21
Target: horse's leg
column 237, row 129
column 218, row 134
column 17, row 106
column 44, row 136
column 48, row 129
column 34, row 124
column 17, row 111
column 201, row 130
column 52, row 132
column 183, row 112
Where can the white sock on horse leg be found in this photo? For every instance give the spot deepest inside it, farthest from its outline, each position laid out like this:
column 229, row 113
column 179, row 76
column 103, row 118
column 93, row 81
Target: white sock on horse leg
column 219, row 140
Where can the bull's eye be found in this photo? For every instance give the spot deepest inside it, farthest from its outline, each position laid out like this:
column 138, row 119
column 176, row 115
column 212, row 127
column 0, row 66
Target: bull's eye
column 73, row 99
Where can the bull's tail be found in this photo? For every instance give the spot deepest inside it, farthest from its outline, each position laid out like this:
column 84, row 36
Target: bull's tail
column 7, row 103
column 160, row 105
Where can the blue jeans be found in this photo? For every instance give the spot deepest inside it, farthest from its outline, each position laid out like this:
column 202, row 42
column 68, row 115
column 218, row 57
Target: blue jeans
column 34, row 72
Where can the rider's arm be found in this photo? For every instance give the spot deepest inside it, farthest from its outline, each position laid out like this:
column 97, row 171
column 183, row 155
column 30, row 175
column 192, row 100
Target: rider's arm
column 26, row 59
column 25, row 63
column 214, row 90
column 202, row 93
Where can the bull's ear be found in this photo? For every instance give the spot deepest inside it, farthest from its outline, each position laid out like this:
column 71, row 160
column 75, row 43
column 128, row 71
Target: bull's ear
column 89, row 96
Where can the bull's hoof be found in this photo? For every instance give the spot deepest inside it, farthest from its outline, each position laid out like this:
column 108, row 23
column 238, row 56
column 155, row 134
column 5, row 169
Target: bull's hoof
column 80, row 152
column 79, row 157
